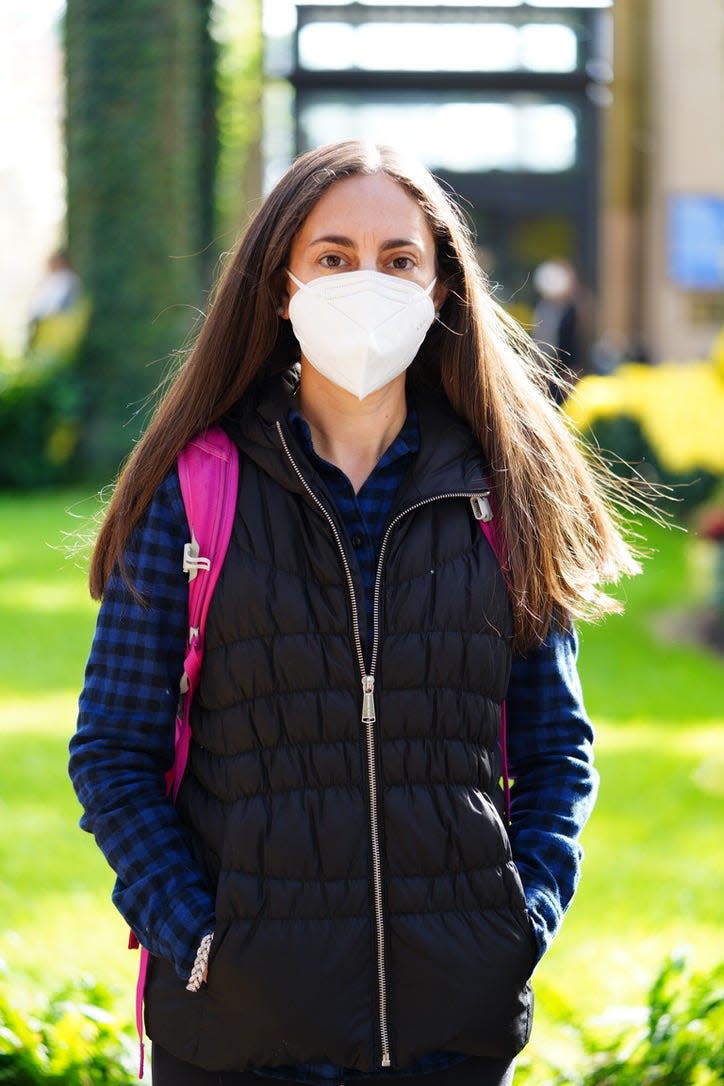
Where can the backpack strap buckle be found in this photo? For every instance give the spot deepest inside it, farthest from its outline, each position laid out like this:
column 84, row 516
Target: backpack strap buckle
column 481, row 506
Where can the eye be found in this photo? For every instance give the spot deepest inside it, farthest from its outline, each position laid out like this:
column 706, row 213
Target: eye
column 402, row 263
column 331, row 260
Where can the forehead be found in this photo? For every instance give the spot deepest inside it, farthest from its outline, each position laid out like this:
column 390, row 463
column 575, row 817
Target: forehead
column 374, row 204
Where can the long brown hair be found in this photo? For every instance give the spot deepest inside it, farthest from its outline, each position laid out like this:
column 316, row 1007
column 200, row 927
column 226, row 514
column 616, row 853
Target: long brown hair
column 562, row 538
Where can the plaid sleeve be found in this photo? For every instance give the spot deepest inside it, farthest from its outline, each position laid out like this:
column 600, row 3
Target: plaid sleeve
column 550, row 762
column 125, row 735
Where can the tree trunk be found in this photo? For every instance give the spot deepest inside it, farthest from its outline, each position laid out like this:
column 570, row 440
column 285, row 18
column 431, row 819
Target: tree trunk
column 141, row 146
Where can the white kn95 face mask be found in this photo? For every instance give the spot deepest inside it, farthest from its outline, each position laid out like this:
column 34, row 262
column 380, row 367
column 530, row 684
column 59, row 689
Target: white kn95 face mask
column 360, row 329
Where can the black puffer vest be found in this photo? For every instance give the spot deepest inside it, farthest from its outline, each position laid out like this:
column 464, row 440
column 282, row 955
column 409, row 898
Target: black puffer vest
column 368, row 910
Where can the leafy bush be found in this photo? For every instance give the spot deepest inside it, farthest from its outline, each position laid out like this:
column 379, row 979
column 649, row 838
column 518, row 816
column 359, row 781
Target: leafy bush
column 40, row 413
column 665, row 420
column 676, row 1040
column 75, row 1040
column 629, row 453
column 41, row 402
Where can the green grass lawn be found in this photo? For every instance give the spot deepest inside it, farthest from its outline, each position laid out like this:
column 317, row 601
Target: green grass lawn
column 54, row 917
column 653, row 875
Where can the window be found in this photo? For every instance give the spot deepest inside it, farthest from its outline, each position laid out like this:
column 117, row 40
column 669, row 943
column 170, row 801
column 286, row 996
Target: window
column 523, row 133
column 430, row 46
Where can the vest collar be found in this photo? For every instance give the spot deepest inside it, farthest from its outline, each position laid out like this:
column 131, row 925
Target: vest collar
column 449, row 460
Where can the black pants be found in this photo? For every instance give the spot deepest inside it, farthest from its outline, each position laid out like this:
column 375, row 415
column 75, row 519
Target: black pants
column 169, row 1071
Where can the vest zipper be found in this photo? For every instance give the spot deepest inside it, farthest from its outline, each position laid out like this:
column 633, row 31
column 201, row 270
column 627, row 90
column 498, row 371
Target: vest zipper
column 481, row 511
column 368, row 719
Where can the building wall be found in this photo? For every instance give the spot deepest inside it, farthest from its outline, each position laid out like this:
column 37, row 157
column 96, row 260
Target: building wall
column 32, row 185
column 686, row 109
column 624, row 168
column 662, row 134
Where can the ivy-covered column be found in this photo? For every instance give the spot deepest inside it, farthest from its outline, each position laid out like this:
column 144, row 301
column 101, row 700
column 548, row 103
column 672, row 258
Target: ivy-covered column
column 141, row 155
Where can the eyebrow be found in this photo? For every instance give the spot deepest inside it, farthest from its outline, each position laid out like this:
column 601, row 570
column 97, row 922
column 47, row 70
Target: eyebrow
column 340, row 239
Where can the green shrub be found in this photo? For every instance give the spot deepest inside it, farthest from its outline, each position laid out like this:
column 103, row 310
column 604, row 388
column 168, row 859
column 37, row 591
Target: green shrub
column 624, row 445
column 40, row 413
column 41, row 402
column 75, row 1040
column 676, row 1040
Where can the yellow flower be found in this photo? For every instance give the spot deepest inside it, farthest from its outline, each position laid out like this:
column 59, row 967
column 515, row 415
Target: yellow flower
column 679, row 406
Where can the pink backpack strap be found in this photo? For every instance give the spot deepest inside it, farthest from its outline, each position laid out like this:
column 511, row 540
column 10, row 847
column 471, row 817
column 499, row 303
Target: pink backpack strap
column 484, row 515
column 208, row 471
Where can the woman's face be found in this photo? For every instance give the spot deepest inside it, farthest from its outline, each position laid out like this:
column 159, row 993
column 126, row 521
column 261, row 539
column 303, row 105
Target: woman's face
column 365, row 223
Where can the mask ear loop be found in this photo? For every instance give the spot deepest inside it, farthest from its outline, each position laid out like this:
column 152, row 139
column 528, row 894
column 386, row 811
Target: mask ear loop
column 437, row 310
column 442, row 324
column 294, row 279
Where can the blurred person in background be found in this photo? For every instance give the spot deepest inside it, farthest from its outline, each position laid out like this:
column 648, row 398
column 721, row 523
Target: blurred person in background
column 59, row 292
column 558, row 322
column 340, row 893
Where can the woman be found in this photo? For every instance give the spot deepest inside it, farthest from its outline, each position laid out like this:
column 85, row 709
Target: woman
column 335, row 893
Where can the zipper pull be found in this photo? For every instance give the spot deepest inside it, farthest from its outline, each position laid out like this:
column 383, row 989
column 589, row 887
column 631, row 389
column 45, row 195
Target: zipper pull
column 481, row 507
column 368, row 699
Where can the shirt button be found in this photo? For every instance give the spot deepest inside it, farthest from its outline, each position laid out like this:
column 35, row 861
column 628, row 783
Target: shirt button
column 357, row 540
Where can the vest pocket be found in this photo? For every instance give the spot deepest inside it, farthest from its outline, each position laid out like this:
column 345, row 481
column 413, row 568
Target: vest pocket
column 513, row 883
column 497, row 820
column 220, row 932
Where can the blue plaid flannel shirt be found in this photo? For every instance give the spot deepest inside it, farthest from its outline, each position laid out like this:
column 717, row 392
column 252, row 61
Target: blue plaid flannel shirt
column 124, row 738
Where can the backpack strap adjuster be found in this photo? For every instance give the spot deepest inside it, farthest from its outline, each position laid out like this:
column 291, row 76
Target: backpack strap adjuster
column 193, row 562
